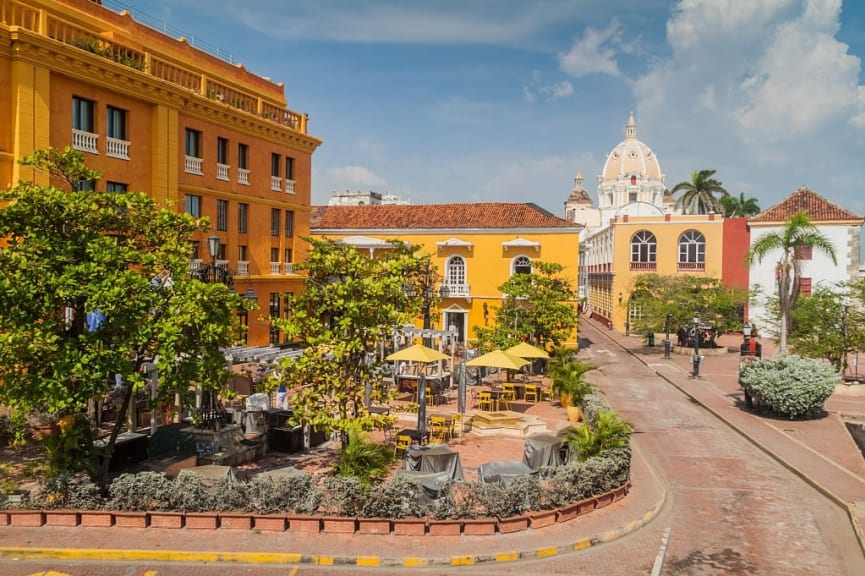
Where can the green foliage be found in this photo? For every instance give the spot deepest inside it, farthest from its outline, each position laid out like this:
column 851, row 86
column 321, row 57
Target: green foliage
column 568, row 377
column 71, row 448
column 346, row 495
column 653, row 296
column 192, row 493
column 349, row 308
column 140, row 492
column 233, row 495
column 364, row 460
column 606, row 432
column 740, row 207
column 122, row 255
column 297, row 493
column 578, row 480
column 829, row 325
column 701, row 195
column 67, row 491
column 521, row 495
column 789, row 385
column 538, row 307
column 396, row 498
column 592, row 405
column 798, row 233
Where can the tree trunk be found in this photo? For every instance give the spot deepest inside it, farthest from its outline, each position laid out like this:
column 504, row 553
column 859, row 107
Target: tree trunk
column 115, row 431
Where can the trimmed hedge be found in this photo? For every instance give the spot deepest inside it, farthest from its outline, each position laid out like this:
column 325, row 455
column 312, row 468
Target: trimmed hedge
column 789, row 385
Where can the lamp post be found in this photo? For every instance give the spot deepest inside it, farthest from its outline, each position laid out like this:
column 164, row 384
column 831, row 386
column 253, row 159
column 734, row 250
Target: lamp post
column 219, row 273
column 425, row 289
column 696, row 358
column 667, row 343
column 845, row 308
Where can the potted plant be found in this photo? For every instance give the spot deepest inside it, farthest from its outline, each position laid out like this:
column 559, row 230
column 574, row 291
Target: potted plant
column 569, row 383
column 606, row 432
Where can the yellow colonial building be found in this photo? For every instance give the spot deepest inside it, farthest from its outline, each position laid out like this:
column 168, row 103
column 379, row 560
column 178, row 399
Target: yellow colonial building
column 475, row 247
column 154, row 114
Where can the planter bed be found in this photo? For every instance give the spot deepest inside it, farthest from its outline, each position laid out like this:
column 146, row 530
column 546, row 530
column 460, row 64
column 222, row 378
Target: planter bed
column 62, row 517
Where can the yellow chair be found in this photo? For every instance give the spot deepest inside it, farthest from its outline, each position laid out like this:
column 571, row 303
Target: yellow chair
column 485, row 401
column 532, row 393
column 456, row 425
column 439, row 430
column 508, row 395
column 402, row 443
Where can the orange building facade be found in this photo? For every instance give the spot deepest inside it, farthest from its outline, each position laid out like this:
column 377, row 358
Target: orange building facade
column 154, row 114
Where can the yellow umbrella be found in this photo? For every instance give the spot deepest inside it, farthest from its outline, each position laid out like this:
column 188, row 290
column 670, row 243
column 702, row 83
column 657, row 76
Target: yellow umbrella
column 417, row 353
column 526, row 350
column 498, row 359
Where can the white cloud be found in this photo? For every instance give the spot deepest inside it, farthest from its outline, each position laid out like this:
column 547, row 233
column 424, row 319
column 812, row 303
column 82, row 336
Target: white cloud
column 355, row 177
column 536, row 89
column 592, row 54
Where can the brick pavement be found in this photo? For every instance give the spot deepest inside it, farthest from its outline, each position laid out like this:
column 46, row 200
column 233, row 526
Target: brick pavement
column 819, row 451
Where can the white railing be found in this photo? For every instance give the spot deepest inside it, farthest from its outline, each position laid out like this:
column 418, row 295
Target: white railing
column 85, row 141
column 242, row 267
column 222, row 263
column 276, row 183
column 194, row 265
column 117, row 148
column 288, row 267
column 458, row 290
column 289, row 186
column 222, row 172
column 274, row 267
column 243, row 176
column 193, row 165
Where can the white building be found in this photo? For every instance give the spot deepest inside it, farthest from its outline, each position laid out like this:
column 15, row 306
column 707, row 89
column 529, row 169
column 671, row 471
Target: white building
column 841, row 227
column 364, row 198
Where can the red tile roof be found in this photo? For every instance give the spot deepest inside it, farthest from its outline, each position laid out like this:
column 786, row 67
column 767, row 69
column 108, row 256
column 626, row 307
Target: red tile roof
column 433, row 216
column 817, row 208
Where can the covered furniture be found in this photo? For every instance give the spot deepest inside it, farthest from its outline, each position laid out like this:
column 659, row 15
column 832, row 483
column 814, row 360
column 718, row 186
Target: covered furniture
column 543, row 450
column 435, row 458
column 503, row 472
column 433, row 484
column 210, row 473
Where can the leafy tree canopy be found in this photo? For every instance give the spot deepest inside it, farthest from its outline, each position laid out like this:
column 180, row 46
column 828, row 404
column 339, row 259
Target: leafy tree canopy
column 654, row 296
column 95, row 284
column 739, row 207
column 350, row 307
column 538, row 307
column 829, row 324
column 701, row 195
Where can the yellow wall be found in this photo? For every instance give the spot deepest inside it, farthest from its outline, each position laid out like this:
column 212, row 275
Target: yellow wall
column 488, row 265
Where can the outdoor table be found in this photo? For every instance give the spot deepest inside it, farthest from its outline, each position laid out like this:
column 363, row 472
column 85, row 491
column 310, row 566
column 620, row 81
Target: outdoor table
column 381, row 410
column 432, row 484
column 414, row 435
column 503, row 472
column 129, row 448
column 543, row 450
column 435, row 458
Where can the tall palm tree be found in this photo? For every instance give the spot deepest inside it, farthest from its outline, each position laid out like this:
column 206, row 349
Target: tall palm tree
column 740, row 206
column 701, row 195
column 798, row 233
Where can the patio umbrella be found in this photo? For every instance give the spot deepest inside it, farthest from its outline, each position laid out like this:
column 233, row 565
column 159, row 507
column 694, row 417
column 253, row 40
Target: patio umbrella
column 526, row 350
column 498, row 359
column 417, row 353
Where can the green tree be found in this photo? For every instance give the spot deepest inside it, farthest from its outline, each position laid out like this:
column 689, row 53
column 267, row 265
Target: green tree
column 829, row 325
column 653, row 296
column 118, row 257
column 739, row 207
column 797, row 235
column 349, row 308
column 606, row 432
column 539, row 307
column 701, row 195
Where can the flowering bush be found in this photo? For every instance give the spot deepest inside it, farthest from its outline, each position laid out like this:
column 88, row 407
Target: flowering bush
column 789, row 385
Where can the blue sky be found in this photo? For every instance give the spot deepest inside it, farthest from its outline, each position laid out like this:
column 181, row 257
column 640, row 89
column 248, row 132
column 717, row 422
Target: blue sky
column 504, row 100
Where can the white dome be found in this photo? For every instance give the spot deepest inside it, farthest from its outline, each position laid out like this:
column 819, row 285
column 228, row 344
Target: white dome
column 631, row 158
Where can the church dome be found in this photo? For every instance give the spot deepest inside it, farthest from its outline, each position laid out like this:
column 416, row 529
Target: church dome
column 631, row 161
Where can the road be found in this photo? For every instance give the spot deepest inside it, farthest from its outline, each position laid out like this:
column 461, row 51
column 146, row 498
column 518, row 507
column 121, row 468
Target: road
column 730, row 509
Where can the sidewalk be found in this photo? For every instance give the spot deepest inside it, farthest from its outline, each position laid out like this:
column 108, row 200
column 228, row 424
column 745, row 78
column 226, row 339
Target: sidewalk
column 820, row 451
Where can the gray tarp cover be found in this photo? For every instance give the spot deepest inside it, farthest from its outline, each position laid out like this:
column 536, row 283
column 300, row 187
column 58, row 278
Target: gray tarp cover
column 435, row 458
column 542, row 450
column 281, row 473
column 431, row 483
column 504, row 472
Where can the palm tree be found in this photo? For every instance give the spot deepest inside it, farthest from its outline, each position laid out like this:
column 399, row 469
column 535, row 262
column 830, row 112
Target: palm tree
column 701, row 195
column 798, row 233
column 740, row 206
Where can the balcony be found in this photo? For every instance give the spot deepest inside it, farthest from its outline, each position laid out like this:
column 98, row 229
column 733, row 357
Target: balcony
column 288, row 267
column 243, row 176
column 457, row 290
column 274, row 267
column 116, row 148
column 692, row 266
column 644, row 266
column 276, row 183
column 243, row 267
column 222, row 172
column 289, row 186
column 194, row 266
column 193, row 165
column 85, row 141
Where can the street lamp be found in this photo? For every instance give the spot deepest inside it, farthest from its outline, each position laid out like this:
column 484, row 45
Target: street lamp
column 845, row 308
column 696, row 358
column 667, row 343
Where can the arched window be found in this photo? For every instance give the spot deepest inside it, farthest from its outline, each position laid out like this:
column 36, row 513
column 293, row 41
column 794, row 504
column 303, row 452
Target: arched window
column 692, row 251
column 644, row 251
column 456, row 271
column 522, row 265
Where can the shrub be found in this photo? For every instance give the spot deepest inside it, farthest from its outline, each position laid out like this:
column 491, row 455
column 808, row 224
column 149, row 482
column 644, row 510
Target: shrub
column 519, row 496
column 192, row 493
column 789, row 385
column 299, row 494
column 233, row 495
column 605, row 432
column 363, row 460
column 592, row 405
column 579, row 480
column 71, row 448
column 140, row 492
column 70, row 492
column 397, row 498
column 346, row 495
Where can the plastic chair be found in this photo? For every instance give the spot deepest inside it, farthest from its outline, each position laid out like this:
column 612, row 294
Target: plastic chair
column 532, row 393
column 456, row 425
column 485, row 401
column 401, row 444
column 439, row 429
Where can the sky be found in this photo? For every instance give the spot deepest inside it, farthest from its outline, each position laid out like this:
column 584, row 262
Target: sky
column 505, row 100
